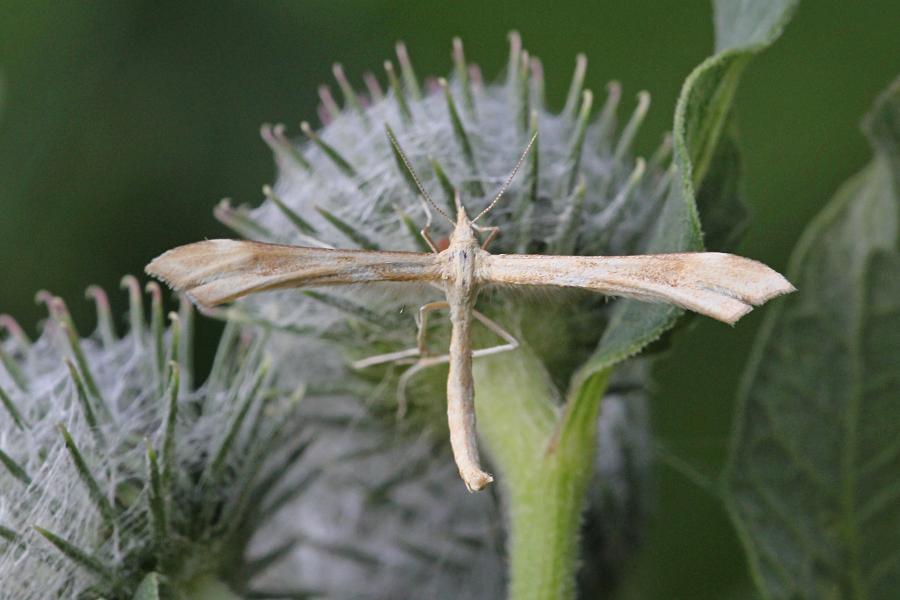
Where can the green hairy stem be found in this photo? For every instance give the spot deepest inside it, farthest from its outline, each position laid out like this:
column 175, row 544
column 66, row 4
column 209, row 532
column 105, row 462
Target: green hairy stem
column 209, row 588
column 544, row 467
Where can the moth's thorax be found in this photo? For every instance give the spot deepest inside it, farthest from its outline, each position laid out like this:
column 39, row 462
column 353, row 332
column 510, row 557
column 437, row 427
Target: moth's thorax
column 462, row 260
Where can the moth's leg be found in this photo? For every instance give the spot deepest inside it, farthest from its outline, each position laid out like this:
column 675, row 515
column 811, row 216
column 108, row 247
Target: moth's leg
column 428, row 240
column 423, row 323
column 429, row 361
column 424, row 231
column 404, row 380
column 511, row 342
column 420, row 349
column 386, row 358
column 494, row 231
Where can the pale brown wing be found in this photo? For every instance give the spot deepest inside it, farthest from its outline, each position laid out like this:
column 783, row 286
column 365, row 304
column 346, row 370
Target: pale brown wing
column 217, row 271
column 722, row 286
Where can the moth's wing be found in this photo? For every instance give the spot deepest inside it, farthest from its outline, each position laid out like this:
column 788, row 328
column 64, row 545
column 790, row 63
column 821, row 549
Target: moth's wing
column 217, row 271
column 722, row 286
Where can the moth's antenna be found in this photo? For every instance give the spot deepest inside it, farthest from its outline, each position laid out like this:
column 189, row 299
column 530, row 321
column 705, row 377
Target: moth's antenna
column 509, row 180
column 412, row 173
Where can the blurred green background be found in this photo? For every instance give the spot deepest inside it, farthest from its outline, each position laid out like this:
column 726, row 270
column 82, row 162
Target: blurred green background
column 123, row 122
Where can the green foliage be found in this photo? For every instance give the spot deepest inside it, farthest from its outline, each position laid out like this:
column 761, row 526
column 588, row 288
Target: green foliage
column 812, row 481
column 545, row 456
column 742, row 24
column 700, row 116
column 812, row 478
column 149, row 588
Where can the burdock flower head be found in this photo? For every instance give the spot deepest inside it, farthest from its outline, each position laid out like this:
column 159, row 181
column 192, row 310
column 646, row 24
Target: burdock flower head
column 116, row 472
column 574, row 199
column 358, row 183
column 579, row 191
column 120, row 476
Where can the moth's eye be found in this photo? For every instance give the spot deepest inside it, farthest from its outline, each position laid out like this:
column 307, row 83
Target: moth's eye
column 443, row 243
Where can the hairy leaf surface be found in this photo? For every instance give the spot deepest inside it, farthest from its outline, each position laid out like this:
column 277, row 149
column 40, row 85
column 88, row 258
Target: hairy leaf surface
column 742, row 30
column 149, row 588
column 813, row 482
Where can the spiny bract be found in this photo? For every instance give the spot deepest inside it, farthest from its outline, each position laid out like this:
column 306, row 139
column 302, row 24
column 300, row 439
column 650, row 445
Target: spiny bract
column 115, row 466
column 580, row 191
column 233, row 488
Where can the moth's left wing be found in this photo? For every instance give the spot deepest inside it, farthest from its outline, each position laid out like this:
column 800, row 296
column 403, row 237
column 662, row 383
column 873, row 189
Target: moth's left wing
column 722, row 286
column 217, row 271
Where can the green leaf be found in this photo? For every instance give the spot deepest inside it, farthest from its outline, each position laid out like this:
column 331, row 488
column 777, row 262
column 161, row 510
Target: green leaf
column 720, row 200
column 745, row 23
column 209, row 588
column 882, row 125
column 149, row 588
column 743, row 29
column 812, row 479
column 546, row 455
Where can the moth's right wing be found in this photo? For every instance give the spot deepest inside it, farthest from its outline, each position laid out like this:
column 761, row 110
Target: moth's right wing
column 722, row 286
column 217, row 271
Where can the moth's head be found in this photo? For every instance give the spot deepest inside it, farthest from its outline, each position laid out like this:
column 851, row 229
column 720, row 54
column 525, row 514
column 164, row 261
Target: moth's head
column 463, row 230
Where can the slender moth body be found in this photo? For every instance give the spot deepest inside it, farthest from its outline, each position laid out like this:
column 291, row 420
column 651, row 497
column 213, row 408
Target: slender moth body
column 724, row 287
